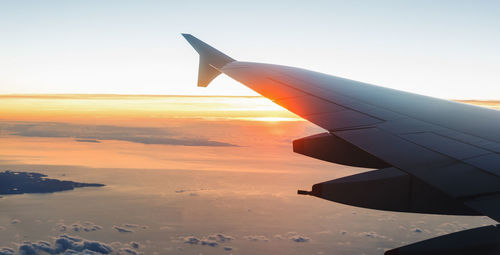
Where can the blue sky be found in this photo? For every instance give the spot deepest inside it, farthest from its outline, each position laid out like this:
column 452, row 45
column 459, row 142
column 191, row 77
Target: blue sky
column 447, row 49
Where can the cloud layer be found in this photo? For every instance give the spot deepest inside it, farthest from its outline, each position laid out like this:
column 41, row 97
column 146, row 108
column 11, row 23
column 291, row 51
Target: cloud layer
column 97, row 133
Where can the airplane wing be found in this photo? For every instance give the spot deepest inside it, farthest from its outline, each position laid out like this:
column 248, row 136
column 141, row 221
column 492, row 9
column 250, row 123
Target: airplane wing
column 433, row 156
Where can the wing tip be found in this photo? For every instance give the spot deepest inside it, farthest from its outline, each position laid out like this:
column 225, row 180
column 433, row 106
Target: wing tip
column 211, row 60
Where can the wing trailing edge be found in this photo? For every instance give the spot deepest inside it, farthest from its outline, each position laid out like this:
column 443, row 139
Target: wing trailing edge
column 211, row 60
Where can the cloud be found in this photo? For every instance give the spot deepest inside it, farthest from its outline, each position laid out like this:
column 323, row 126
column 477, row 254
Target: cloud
column 86, row 226
column 78, row 244
column 6, row 251
column 212, row 240
column 191, row 240
column 27, row 249
column 209, row 242
column 96, row 133
column 221, row 237
column 373, row 234
column 135, row 245
column 128, row 251
column 295, row 237
column 67, row 245
column 122, row 229
column 299, row 239
column 131, row 225
column 256, row 238
column 87, row 141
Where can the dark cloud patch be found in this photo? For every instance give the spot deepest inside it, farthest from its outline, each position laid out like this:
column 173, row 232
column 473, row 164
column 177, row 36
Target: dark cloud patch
column 6, row 251
column 122, row 229
column 131, row 225
column 300, row 239
column 127, row 228
column 96, row 133
column 64, row 244
column 135, row 245
column 87, row 141
column 27, row 249
column 212, row 240
column 191, row 240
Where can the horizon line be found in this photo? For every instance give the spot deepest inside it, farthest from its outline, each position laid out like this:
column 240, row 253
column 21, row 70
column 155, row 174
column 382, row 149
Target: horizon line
column 71, row 95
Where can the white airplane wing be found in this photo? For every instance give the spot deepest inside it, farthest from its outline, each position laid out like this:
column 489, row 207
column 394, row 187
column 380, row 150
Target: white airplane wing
column 433, row 156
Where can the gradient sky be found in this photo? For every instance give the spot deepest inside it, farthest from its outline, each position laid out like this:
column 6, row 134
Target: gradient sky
column 447, row 49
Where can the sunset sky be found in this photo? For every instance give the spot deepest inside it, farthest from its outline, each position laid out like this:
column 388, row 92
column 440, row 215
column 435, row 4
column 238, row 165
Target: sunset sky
column 446, row 49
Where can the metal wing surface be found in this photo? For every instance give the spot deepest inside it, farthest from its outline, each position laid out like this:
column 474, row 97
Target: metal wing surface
column 432, row 155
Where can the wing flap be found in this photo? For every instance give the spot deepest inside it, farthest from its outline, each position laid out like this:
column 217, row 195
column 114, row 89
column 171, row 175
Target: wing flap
column 487, row 205
column 489, row 162
column 453, row 177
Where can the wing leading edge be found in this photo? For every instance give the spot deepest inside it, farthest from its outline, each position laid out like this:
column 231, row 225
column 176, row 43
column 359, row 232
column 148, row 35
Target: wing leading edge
column 435, row 156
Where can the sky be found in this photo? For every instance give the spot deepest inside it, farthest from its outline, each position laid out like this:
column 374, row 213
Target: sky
column 446, row 49
column 105, row 92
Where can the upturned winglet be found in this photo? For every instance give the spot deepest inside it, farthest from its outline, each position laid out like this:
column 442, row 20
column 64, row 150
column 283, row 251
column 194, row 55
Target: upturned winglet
column 211, row 60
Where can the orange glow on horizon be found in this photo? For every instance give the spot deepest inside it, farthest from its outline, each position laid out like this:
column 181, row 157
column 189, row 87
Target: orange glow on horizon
column 137, row 109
